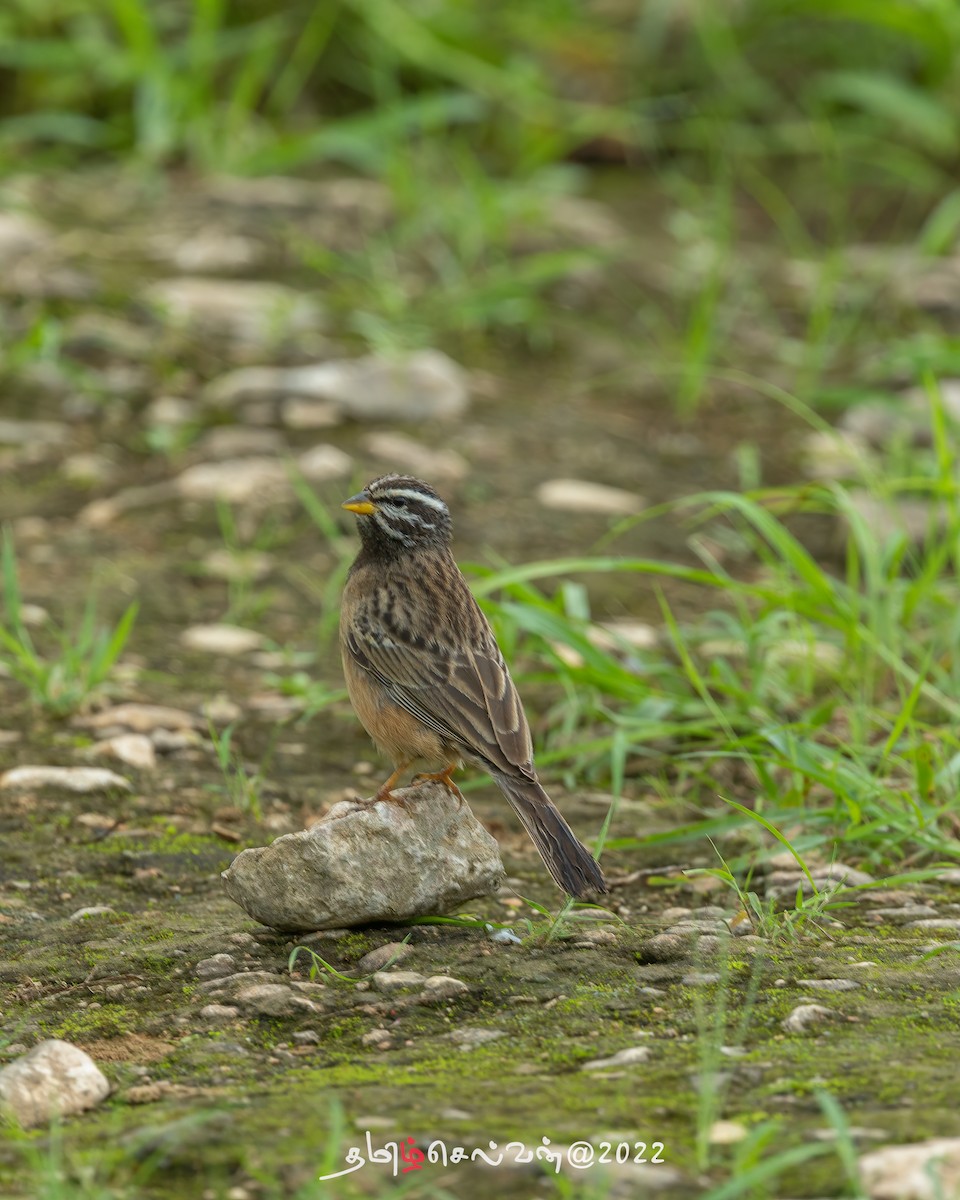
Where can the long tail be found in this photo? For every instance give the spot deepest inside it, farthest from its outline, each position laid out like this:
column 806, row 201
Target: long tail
column 570, row 863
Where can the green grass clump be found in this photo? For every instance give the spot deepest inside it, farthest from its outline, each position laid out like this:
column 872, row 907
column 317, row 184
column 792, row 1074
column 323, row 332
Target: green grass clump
column 82, row 658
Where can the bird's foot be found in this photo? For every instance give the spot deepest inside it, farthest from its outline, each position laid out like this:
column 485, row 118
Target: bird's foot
column 442, row 777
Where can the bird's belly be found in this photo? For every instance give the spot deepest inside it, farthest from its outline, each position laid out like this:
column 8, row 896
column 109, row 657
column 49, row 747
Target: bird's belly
column 397, row 733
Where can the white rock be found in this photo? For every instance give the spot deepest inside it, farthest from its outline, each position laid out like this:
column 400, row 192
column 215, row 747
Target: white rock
column 377, row 960
column 395, row 981
column 806, row 1017
column 323, row 462
column 623, row 1058
column 444, row 987
column 87, row 469
column 169, row 410
column 614, row 635
column 142, row 718
column 216, row 967
column 251, row 312
column 208, row 250
column 726, row 1133
column 73, row 779
column 828, row 985
column 238, row 565
column 53, row 1079
column 134, row 749
column 579, row 495
column 369, row 862
column 927, row 1170
column 403, row 453
column 221, row 639
column 274, row 1000
column 219, row 1014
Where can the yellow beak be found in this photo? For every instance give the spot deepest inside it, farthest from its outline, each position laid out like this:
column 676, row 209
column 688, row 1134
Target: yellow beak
column 359, row 504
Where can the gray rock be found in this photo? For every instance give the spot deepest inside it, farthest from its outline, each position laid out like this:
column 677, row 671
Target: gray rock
column 377, row 960
column 369, row 862
column 396, row 981
column 71, row 779
column 700, row 978
column 134, row 749
column 254, row 313
column 828, row 985
column 94, row 910
column 53, row 1079
column 274, row 1000
column 142, row 718
column 582, row 496
column 666, row 947
column 443, row 987
column 216, row 967
column 903, row 913
column 219, row 1014
column 806, row 1017
column 951, row 923
column 307, row 1037
column 469, row 1039
column 424, row 385
column 927, row 1170
column 622, row 1058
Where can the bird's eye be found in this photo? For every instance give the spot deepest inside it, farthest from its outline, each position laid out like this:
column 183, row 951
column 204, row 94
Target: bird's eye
column 400, row 502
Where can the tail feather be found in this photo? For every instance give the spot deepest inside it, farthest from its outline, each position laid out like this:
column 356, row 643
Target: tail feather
column 570, row 863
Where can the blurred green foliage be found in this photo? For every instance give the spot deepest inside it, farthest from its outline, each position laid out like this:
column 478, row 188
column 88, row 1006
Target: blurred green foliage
column 259, row 85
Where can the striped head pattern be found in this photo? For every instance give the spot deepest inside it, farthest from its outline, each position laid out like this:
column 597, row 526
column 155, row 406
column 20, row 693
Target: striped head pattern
column 400, row 511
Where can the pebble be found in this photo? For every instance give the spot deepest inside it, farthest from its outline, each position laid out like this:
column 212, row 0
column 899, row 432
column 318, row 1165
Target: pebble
column 377, row 960
column 307, row 1037
column 469, row 1039
column 72, row 779
column 254, row 313
column 396, row 981
column 422, row 386
column 216, row 967
column 443, row 987
column 229, row 640
column 93, row 910
column 806, row 1017
column 623, row 1058
column 579, row 495
column 726, row 1133
column 700, row 978
column 54, row 1078
column 134, row 749
column 274, row 1000
column 666, row 947
column 927, row 1170
column 828, row 985
column 219, row 1014
column 403, row 453
column 142, row 718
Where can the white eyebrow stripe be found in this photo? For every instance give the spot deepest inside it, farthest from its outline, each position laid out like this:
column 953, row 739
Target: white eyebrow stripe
column 412, row 494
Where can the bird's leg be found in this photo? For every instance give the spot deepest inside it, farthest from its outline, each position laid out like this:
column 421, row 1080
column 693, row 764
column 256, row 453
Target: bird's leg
column 385, row 790
column 444, row 778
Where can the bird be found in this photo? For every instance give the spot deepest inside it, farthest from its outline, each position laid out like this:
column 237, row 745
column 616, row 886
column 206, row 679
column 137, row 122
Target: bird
column 425, row 675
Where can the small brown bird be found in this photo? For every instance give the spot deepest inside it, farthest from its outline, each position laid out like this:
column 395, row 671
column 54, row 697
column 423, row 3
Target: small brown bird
column 425, row 673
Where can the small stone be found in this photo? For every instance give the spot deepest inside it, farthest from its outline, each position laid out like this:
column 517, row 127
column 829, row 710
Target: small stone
column 377, row 960
column 406, row 454
column 134, row 749
column 142, row 718
column 726, row 1133
column 33, row 433
column 424, row 385
column 55, row 1078
column 94, row 910
column 828, row 985
column 377, row 1037
column 623, row 1058
column 298, row 412
column 700, row 978
column 949, row 923
column 806, row 1017
column 396, row 981
column 254, row 313
column 469, row 1039
column 927, row 1170
column 274, row 1000
column 443, row 987
column 581, row 496
column 215, row 967
column 219, row 1014
column 666, row 947
column 71, row 779
column 229, row 640
column 307, row 1037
